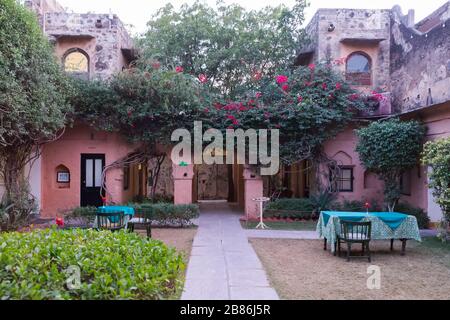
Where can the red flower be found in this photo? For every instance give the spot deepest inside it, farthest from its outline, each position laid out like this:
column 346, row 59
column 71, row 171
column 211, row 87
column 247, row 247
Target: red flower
column 338, row 86
column 235, row 122
column 258, row 95
column 231, row 117
column 179, row 69
column 324, row 86
column 103, row 199
column 285, row 87
column 218, row 105
column 202, row 78
column 307, row 83
column 299, row 99
column 251, row 101
column 59, row 222
column 281, row 79
column 206, row 110
column 367, row 205
column 312, row 66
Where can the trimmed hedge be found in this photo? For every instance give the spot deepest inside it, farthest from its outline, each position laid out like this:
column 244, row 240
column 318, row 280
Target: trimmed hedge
column 170, row 214
column 293, row 208
column 113, row 265
column 164, row 214
column 421, row 215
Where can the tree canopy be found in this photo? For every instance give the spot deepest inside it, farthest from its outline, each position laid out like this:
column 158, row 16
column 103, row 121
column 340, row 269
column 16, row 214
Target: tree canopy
column 230, row 45
column 436, row 155
column 389, row 148
column 33, row 104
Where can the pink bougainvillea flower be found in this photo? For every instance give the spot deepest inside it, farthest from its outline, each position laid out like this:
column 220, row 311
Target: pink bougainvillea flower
column 281, row 79
column 231, row 117
column 251, row 101
column 235, row 122
column 378, row 96
column 258, row 95
column 285, row 87
column 179, row 69
column 202, row 78
column 353, row 97
column 230, row 127
column 299, row 99
column 307, row 83
column 338, row 86
column 218, row 105
column 206, row 110
column 324, row 86
column 257, row 75
column 242, row 108
column 266, row 115
column 312, row 66
column 156, row 65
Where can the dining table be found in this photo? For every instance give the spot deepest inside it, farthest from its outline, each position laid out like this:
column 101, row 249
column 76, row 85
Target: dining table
column 385, row 226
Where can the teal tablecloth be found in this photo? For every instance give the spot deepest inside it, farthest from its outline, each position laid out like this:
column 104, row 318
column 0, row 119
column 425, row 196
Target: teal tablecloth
column 385, row 225
column 128, row 212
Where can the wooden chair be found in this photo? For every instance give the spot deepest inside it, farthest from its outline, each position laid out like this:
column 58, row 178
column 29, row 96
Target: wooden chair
column 355, row 232
column 142, row 218
column 112, row 221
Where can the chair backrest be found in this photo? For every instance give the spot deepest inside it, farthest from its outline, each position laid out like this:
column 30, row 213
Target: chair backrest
column 111, row 220
column 354, row 230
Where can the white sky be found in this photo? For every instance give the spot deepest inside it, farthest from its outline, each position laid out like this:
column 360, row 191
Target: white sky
column 138, row 12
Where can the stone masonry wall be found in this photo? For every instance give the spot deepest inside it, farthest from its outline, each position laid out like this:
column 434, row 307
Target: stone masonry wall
column 420, row 64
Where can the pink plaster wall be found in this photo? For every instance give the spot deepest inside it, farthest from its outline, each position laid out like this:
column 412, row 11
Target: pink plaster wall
column 437, row 121
column 67, row 151
column 342, row 149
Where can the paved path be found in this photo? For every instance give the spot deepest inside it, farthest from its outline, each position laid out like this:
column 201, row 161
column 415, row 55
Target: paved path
column 223, row 265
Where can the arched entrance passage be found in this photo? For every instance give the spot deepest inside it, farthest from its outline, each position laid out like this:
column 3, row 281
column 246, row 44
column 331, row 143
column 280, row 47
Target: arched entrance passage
column 220, row 182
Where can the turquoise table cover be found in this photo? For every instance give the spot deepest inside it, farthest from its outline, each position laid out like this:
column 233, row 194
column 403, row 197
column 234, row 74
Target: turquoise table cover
column 111, row 209
column 392, row 219
column 128, row 212
column 385, row 225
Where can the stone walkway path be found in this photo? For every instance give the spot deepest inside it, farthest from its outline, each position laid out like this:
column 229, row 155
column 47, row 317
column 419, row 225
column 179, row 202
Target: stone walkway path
column 223, row 265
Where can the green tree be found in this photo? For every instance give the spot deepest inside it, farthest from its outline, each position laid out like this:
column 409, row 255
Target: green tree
column 436, row 155
column 231, row 46
column 32, row 97
column 389, row 148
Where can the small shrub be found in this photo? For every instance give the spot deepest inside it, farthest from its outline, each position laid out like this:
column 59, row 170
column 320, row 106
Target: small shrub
column 297, row 204
column 113, row 265
column 168, row 214
column 294, row 208
column 322, row 200
column 422, row 217
column 355, row 206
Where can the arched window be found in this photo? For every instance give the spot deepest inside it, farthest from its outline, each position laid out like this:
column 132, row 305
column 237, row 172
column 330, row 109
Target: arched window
column 359, row 69
column 76, row 62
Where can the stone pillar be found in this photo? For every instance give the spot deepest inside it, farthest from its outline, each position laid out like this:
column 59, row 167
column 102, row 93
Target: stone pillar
column 182, row 183
column 253, row 188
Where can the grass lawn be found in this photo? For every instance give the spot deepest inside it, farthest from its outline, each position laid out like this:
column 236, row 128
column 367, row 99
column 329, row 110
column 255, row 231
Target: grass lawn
column 283, row 225
column 301, row 269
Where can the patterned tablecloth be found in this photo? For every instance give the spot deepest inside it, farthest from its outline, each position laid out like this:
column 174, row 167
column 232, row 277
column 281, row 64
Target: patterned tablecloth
column 395, row 226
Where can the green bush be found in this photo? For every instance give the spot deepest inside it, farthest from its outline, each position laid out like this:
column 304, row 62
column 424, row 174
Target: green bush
column 422, row 217
column 355, row 206
column 170, row 214
column 117, row 265
column 295, row 208
column 297, row 204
